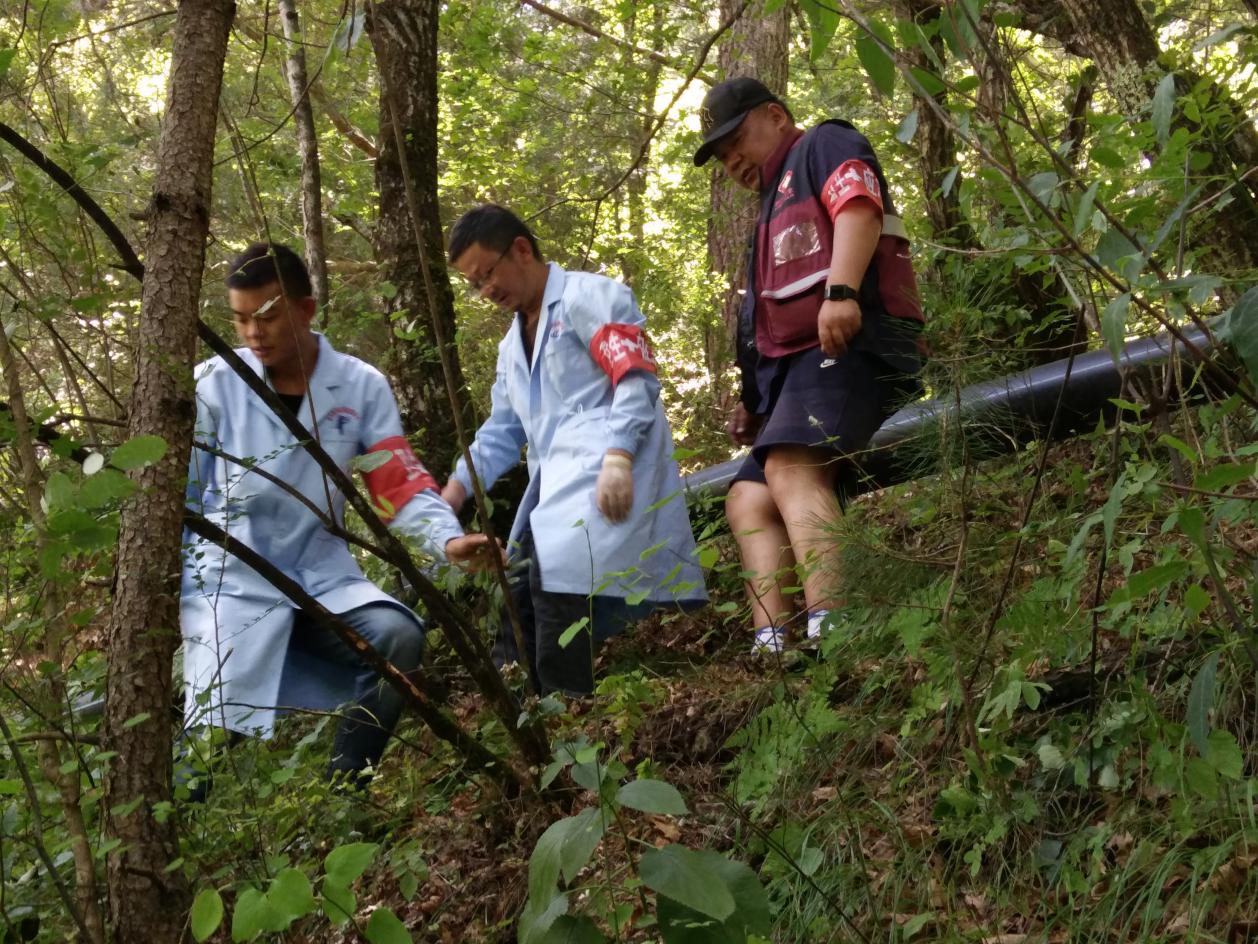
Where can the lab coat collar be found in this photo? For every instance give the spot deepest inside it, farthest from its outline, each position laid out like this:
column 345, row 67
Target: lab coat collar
column 552, row 296
column 321, row 387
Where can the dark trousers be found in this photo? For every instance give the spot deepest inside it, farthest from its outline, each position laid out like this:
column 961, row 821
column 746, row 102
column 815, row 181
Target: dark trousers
column 545, row 616
column 375, row 704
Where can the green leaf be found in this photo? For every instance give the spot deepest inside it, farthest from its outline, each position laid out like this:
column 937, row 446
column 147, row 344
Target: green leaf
column 1083, row 212
column 950, row 179
column 1224, row 755
column 878, row 65
column 539, row 916
column 929, row 82
column 1196, row 600
column 371, row 460
column 1163, row 108
column 688, row 878
column 1043, row 185
column 823, row 20
column 383, row 927
column 253, row 915
column 291, row 894
column 1200, row 704
column 1050, row 756
column 1192, row 522
column 680, row 924
column 138, row 452
column 207, row 913
column 564, row 848
column 708, row 556
column 574, row 929
column 345, row 863
column 10, row 787
column 105, row 488
column 1201, row 778
column 907, row 128
column 338, row 902
column 1114, row 324
column 1140, row 584
column 652, row 796
column 6, row 60
column 1241, row 328
column 570, row 633
column 1225, row 475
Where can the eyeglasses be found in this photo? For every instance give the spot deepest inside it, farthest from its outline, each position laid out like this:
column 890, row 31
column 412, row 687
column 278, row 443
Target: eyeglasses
column 476, row 286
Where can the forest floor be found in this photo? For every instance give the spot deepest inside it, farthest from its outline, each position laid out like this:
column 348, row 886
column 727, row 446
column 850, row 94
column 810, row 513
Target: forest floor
column 880, row 792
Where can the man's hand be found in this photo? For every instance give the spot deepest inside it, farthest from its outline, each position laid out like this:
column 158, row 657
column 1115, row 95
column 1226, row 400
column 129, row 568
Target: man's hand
column 614, row 491
column 455, row 495
column 743, row 426
column 474, row 552
column 837, row 324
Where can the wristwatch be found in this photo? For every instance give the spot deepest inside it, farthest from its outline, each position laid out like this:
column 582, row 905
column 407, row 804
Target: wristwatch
column 840, row 292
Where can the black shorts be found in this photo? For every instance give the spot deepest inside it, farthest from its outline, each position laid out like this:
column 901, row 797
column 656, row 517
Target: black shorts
column 830, row 403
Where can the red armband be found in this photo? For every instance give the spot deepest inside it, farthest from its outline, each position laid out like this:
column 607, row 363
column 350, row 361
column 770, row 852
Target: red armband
column 400, row 479
column 853, row 179
column 620, row 348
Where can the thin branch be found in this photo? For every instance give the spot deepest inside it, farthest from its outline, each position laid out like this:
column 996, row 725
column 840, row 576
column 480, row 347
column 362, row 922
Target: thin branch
column 37, row 827
column 441, row 725
column 130, row 261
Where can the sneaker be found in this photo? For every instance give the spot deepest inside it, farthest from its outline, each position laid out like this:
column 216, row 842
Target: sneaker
column 768, row 641
column 817, row 620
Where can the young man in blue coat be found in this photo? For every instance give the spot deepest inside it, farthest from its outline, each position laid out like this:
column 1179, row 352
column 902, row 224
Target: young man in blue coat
column 603, row 523
column 828, row 338
column 247, row 649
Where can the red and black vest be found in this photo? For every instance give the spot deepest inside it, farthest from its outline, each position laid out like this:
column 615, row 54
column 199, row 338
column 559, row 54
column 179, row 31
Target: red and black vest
column 790, row 258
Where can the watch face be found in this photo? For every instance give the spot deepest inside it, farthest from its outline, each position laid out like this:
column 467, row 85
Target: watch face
column 838, row 293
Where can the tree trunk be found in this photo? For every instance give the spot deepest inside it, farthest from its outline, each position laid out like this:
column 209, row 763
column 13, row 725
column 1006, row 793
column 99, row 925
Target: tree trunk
column 635, row 186
column 404, row 36
column 308, row 145
column 147, row 901
column 936, row 144
column 757, row 45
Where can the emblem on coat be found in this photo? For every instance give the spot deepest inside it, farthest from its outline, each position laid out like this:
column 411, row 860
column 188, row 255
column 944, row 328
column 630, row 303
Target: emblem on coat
column 340, row 415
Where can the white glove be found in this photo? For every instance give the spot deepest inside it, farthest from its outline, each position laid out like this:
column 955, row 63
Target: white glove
column 614, row 492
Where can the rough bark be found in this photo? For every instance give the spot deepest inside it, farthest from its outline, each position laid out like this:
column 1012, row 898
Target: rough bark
column 308, row 145
column 147, row 901
column 759, row 45
column 404, row 36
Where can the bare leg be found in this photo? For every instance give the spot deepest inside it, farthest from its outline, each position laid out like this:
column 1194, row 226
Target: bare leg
column 801, row 482
column 765, row 548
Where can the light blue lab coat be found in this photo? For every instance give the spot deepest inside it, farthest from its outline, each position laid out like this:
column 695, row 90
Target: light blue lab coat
column 235, row 625
column 564, row 408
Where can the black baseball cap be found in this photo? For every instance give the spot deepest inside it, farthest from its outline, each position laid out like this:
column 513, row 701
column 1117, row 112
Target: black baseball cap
column 725, row 107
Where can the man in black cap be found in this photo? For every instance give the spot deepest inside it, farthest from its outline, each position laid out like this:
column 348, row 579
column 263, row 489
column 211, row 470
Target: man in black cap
column 828, row 339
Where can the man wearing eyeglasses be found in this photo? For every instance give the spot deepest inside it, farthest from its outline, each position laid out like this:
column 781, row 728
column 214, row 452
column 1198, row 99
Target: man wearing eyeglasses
column 603, row 523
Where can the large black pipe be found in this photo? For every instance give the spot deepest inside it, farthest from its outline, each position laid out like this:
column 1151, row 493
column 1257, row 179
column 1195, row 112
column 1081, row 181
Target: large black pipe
column 997, row 416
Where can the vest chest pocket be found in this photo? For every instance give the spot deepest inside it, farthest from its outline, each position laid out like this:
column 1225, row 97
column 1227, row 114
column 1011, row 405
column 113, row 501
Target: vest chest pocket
column 795, row 241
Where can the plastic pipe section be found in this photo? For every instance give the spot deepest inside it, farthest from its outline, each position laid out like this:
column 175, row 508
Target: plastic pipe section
column 998, row 416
